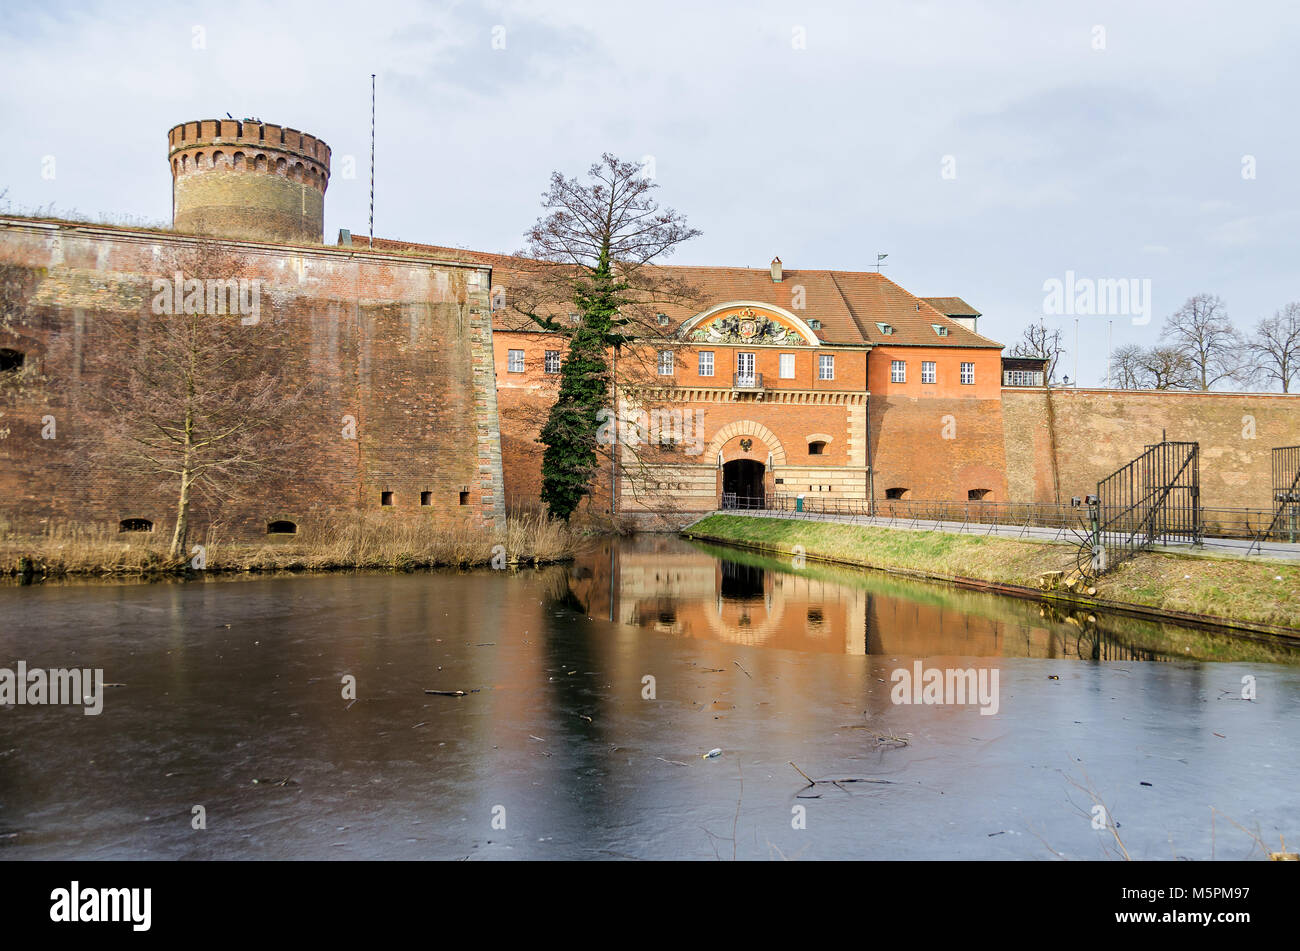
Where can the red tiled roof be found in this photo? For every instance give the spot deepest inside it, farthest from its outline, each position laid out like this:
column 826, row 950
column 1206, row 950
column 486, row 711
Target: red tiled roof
column 952, row 306
column 876, row 300
column 849, row 304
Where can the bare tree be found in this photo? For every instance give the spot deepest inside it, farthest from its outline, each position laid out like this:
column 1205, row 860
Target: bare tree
column 1039, row 342
column 1168, row 368
column 1162, row 367
column 1273, row 351
column 194, row 396
column 593, row 255
column 1201, row 330
column 1128, row 366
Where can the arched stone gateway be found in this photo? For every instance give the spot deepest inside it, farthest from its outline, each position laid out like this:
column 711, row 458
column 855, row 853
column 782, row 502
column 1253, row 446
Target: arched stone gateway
column 746, row 453
column 747, row 427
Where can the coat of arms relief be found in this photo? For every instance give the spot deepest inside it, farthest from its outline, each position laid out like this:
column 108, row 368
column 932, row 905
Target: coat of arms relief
column 745, row 326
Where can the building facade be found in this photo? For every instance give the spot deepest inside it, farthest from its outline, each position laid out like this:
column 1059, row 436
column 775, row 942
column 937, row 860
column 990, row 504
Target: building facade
column 772, row 383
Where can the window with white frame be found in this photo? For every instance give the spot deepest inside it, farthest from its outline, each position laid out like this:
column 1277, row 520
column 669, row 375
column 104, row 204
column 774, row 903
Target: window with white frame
column 968, row 373
column 665, row 363
column 552, row 361
column 706, row 363
column 928, row 372
column 897, row 371
column 787, row 366
column 745, row 369
column 825, row 366
column 1023, row 378
column 515, row 361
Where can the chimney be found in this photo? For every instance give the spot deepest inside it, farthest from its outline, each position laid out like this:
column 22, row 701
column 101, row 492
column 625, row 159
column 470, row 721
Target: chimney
column 776, row 270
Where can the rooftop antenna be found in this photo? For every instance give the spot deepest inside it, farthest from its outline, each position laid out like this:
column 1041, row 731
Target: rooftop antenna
column 372, row 160
column 880, row 256
column 1110, row 329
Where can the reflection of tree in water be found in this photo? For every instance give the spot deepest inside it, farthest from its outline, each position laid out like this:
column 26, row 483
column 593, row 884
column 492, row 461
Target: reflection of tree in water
column 558, row 587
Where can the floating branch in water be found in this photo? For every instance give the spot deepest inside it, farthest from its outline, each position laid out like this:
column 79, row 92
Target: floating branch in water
column 836, row 782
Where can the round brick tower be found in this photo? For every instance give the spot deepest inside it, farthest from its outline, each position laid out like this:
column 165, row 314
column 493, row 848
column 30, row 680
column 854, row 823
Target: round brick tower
column 248, row 180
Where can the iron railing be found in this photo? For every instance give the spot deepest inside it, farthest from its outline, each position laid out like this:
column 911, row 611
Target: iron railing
column 747, row 381
column 987, row 517
column 997, row 518
column 731, row 500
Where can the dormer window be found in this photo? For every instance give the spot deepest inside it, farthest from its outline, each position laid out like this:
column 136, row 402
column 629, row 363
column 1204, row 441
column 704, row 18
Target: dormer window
column 815, row 324
column 940, row 329
column 886, row 329
column 662, row 319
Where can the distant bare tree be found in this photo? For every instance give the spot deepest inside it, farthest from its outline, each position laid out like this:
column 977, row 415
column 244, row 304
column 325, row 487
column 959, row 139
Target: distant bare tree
column 1039, row 342
column 1127, row 367
column 1201, row 330
column 1166, row 367
column 1162, row 367
column 1273, row 351
column 195, row 400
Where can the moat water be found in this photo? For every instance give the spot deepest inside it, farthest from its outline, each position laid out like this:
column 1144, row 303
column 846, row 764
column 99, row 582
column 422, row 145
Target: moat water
column 593, row 693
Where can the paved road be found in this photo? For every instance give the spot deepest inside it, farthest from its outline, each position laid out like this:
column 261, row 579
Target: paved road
column 1072, row 535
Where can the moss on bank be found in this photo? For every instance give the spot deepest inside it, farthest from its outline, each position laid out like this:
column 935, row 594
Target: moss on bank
column 1228, row 589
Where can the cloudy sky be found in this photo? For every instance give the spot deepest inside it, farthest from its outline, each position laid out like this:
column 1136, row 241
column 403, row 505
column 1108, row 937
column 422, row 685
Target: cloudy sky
column 988, row 147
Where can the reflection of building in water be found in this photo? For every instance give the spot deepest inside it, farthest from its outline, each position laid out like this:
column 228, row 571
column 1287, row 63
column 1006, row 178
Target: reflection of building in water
column 664, row 586
column 935, row 626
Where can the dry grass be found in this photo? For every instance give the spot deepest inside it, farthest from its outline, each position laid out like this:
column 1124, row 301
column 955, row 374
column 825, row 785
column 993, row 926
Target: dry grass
column 371, row 543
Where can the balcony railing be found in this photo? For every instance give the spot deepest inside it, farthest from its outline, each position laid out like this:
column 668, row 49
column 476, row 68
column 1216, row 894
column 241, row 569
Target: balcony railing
column 747, row 381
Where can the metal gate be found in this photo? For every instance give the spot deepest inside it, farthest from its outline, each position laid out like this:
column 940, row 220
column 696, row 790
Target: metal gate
column 1285, row 525
column 1155, row 499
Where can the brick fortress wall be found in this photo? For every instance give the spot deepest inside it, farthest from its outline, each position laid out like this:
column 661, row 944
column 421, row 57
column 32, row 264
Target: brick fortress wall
column 1097, row 431
column 402, row 345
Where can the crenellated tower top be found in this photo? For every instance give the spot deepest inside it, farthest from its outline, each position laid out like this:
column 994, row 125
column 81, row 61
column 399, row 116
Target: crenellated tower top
column 248, row 179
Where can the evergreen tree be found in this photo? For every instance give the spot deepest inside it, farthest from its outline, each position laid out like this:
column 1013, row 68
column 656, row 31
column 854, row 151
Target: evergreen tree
column 592, row 254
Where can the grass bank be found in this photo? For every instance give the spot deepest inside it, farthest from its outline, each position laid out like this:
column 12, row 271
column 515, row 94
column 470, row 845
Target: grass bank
column 372, row 544
column 1265, row 593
